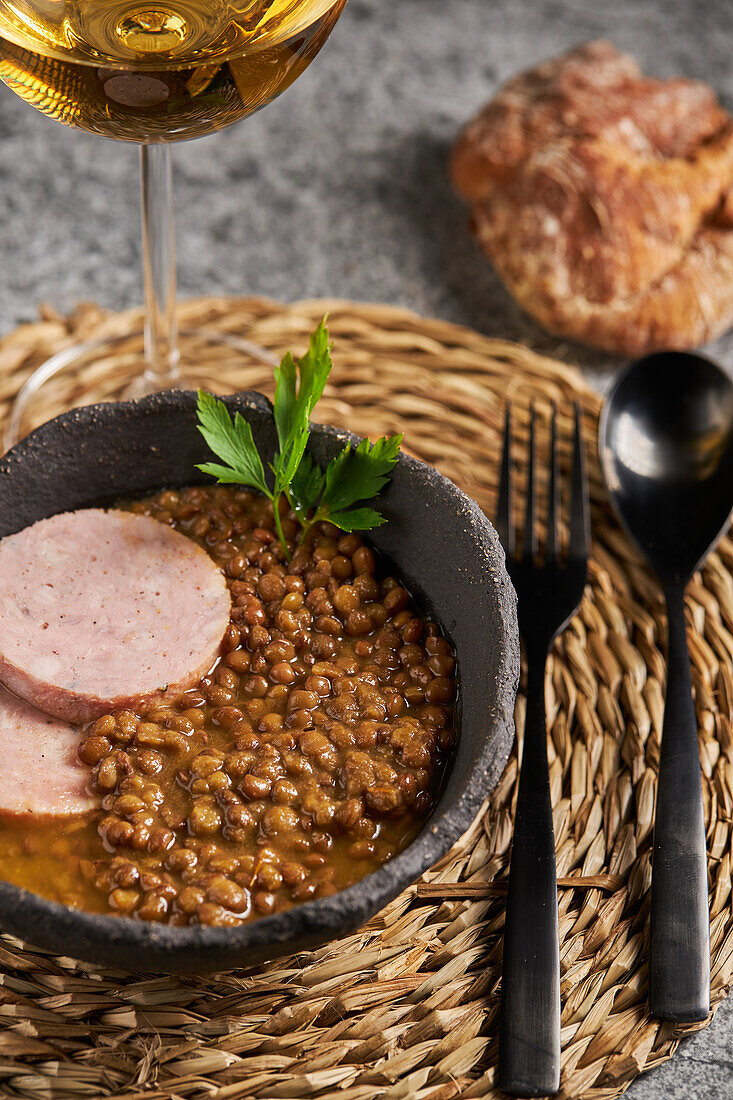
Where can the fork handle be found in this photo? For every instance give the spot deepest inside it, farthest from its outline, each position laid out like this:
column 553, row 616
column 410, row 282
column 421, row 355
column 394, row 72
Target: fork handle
column 529, row 1019
column 679, row 972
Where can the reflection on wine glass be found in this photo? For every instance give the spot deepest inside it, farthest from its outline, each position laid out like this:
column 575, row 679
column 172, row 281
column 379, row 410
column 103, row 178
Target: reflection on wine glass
column 152, row 74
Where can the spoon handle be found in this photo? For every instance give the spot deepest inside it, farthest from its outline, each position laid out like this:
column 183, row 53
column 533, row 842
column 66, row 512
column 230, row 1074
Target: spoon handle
column 679, row 972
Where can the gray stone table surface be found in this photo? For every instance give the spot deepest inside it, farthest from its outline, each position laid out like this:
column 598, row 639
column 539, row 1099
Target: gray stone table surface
column 340, row 188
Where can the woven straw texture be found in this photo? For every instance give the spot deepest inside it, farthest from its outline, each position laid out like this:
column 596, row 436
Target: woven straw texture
column 407, row 1007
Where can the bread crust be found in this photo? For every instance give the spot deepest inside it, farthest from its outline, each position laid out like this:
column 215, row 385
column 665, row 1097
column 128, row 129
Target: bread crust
column 603, row 199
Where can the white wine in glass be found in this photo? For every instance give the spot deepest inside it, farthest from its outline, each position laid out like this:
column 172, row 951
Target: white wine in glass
column 151, row 74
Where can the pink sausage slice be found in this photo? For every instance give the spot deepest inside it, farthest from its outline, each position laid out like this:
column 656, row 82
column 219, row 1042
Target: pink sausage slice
column 40, row 773
column 100, row 610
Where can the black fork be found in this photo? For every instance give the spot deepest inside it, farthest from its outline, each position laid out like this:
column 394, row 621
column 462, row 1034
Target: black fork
column 548, row 595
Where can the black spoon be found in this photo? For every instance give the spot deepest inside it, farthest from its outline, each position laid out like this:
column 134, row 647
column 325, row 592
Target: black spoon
column 666, row 449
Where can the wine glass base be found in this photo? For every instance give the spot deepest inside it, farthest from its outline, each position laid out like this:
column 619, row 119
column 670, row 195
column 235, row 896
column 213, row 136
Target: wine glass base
column 114, row 370
column 148, row 383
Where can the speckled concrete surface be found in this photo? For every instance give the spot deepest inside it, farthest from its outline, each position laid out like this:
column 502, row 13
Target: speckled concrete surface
column 340, row 188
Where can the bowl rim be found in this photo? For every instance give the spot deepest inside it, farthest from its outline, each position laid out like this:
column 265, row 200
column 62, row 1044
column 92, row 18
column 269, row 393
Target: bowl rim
column 349, row 908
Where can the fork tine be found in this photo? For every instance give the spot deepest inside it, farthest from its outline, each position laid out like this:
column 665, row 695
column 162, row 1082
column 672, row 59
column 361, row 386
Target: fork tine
column 504, row 524
column 579, row 507
column 553, row 509
column 530, row 525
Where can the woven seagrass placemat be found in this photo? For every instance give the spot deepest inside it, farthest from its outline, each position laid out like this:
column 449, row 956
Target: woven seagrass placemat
column 407, row 1007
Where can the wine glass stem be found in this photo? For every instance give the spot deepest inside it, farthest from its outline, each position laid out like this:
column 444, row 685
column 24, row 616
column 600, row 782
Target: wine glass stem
column 159, row 261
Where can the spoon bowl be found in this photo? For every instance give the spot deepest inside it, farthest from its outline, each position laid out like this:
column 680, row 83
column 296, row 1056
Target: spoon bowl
column 666, row 448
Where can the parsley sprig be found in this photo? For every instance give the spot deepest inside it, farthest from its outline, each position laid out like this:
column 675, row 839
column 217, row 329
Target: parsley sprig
column 355, row 475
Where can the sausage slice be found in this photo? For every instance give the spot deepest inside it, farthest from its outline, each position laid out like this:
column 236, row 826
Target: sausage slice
column 40, row 773
column 106, row 609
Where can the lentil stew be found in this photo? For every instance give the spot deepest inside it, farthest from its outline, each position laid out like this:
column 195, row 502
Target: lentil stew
column 308, row 756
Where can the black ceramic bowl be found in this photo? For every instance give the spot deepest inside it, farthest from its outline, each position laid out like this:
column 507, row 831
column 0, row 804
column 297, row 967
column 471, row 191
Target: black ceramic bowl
column 446, row 552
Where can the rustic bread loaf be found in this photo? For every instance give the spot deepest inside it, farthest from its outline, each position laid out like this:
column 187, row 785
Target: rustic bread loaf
column 603, row 199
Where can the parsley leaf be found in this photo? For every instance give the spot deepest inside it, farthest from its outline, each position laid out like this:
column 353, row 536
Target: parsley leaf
column 306, row 487
column 285, row 398
column 224, row 475
column 232, row 442
column 359, row 474
column 354, row 475
column 358, row 519
column 293, row 408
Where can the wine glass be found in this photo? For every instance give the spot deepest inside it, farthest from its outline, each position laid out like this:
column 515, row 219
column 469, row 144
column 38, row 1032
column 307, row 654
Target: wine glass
column 150, row 73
